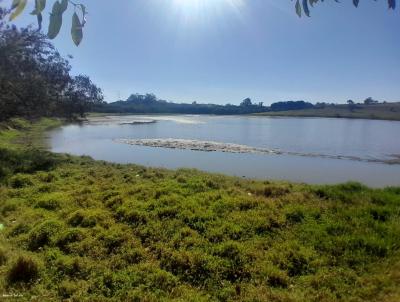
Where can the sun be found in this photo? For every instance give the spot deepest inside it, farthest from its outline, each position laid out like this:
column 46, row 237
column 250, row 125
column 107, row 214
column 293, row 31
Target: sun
column 192, row 10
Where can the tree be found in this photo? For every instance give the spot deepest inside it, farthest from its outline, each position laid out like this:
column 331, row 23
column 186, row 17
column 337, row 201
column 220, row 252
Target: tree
column 370, row 101
column 246, row 102
column 32, row 73
column 82, row 95
column 351, row 105
column 291, row 105
column 35, row 79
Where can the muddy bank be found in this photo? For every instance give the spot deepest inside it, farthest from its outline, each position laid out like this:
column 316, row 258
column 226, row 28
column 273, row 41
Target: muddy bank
column 211, row 146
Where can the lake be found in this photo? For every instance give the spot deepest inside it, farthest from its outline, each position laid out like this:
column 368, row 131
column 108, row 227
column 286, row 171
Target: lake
column 309, row 150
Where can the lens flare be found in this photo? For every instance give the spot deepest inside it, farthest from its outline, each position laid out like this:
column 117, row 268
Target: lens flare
column 197, row 10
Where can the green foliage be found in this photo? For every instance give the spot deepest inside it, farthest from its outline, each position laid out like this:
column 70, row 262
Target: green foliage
column 149, row 103
column 43, row 234
column 97, row 230
column 56, row 16
column 76, row 30
column 35, row 80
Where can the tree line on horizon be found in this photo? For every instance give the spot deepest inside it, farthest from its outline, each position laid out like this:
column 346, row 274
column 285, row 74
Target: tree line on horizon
column 35, row 80
column 149, row 103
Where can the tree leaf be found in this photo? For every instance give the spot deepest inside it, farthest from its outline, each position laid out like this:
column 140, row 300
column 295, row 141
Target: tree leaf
column 298, row 8
column 305, row 8
column 39, row 7
column 55, row 21
column 19, row 6
column 63, row 6
column 76, row 30
column 14, row 4
column 83, row 8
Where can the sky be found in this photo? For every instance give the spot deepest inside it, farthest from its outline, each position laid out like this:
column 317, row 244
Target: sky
column 222, row 51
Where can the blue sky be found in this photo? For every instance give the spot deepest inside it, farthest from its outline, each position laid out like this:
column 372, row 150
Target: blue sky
column 225, row 50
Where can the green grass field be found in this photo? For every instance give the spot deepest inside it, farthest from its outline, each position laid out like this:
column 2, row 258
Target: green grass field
column 389, row 111
column 76, row 229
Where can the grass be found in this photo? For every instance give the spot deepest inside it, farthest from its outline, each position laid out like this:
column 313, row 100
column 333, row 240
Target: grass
column 389, row 111
column 83, row 230
column 22, row 134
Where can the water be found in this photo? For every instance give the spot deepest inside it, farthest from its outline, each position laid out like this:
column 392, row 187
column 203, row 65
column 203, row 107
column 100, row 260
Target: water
column 312, row 138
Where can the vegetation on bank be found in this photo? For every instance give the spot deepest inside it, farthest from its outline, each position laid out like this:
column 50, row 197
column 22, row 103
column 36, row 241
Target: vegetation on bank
column 150, row 104
column 382, row 111
column 77, row 229
column 35, row 80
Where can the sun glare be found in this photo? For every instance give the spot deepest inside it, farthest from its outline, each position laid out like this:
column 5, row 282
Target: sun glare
column 192, row 10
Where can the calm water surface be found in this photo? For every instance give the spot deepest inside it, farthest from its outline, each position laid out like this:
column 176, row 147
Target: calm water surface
column 364, row 139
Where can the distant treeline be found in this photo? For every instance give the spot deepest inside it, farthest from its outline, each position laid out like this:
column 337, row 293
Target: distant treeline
column 149, row 103
column 35, row 80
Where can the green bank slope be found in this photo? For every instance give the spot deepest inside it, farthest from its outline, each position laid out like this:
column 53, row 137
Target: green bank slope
column 76, row 229
column 389, row 111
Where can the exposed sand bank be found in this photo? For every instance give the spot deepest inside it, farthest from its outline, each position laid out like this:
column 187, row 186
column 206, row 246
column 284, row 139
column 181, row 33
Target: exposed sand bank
column 210, row 146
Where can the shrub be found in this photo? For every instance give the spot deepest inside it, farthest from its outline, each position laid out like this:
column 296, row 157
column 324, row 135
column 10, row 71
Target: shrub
column 46, row 177
column 20, row 228
column 131, row 216
column 25, row 270
column 48, row 204
column 20, row 181
column 295, row 216
column 82, row 218
column 67, row 288
column 69, row 236
column 352, row 187
column 277, row 278
column 380, row 214
column 275, row 190
column 9, row 206
column 43, row 234
column 3, row 257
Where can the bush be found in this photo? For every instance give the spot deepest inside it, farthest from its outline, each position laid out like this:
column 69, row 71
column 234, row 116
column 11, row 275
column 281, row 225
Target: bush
column 20, row 181
column 48, row 204
column 43, row 234
column 69, row 236
column 24, row 270
column 3, row 257
column 295, row 216
column 86, row 218
column 275, row 191
column 277, row 278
